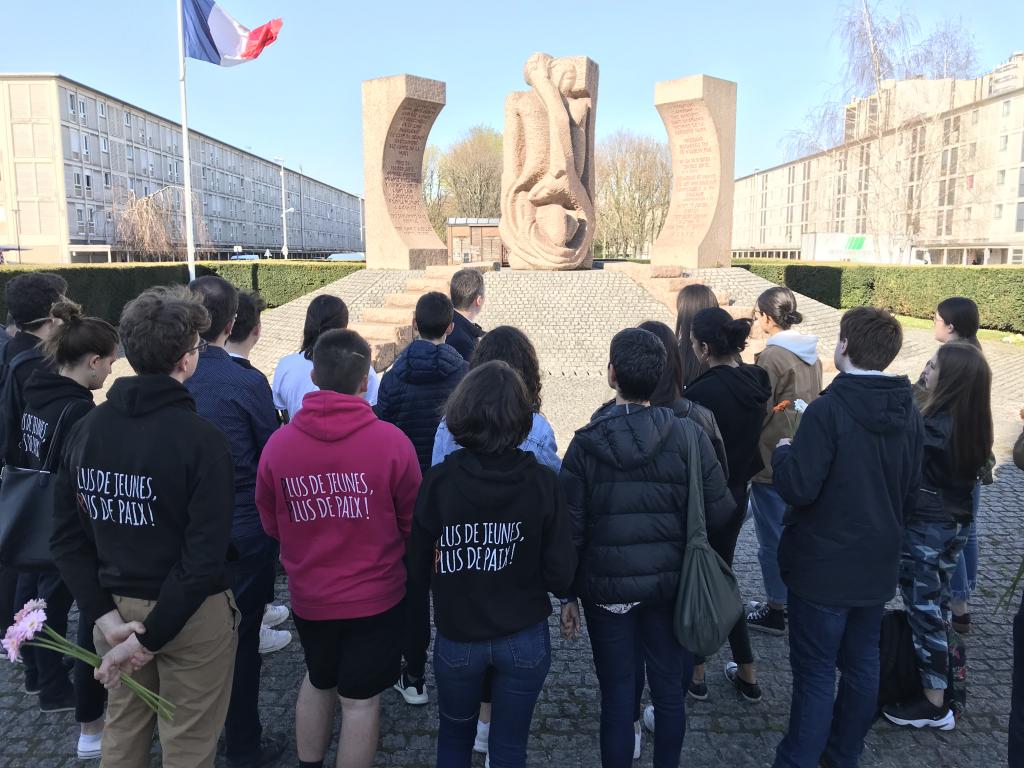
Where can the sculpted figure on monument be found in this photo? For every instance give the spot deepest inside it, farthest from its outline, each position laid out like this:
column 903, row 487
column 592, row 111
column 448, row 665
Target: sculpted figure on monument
column 547, row 183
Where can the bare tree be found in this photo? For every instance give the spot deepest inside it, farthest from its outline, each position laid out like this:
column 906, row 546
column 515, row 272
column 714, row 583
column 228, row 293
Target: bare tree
column 470, row 173
column 633, row 190
column 152, row 227
column 435, row 195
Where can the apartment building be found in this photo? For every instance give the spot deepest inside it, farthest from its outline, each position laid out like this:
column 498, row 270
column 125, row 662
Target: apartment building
column 72, row 159
column 929, row 172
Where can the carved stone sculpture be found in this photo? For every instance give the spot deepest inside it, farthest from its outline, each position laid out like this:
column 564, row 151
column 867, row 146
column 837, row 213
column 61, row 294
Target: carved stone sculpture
column 547, row 182
column 699, row 113
column 398, row 113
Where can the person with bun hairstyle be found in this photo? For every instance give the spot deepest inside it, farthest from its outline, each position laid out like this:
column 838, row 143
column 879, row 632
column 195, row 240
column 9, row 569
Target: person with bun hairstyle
column 691, row 300
column 791, row 360
column 81, row 351
column 736, row 393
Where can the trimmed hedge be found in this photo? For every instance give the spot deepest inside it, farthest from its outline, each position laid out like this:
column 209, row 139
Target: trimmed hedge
column 104, row 289
column 906, row 290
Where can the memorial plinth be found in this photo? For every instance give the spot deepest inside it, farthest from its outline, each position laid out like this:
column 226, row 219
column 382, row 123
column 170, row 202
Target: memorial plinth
column 398, row 113
column 699, row 113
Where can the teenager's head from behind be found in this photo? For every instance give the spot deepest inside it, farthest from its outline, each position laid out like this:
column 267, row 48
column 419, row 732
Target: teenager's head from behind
column 467, row 291
column 956, row 319
column 869, row 339
column 961, row 384
column 776, row 310
column 691, row 300
column 715, row 334
column 510, row 345
column 29, row 298
column 490, row 410
column 325, row 313
column 160, row 331
column 221, row 300
column 83, row 348
column 670, row 385
column 636, row 361
column 433, row 317
column 246, row 330
column 341, row 362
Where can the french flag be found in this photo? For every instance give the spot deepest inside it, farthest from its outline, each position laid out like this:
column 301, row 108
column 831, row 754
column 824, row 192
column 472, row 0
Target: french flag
column 212, row 35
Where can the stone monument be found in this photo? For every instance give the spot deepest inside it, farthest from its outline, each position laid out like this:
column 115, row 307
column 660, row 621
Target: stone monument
column 699, row 113
column 547, row 182
column 398, row 113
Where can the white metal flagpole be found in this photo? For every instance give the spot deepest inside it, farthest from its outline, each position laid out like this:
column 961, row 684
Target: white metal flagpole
column 190, row 242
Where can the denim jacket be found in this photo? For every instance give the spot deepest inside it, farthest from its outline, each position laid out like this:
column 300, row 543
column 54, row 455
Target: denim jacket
column 540, row 442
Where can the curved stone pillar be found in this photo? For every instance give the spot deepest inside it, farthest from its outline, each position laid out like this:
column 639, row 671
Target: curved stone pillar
column 398, row 113
column 699, row 113
column 547, row 180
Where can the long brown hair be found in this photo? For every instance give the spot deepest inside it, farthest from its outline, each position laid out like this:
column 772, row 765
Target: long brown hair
column 963, row 388
column 78, row 335
column 691, row 300
column 670, row 385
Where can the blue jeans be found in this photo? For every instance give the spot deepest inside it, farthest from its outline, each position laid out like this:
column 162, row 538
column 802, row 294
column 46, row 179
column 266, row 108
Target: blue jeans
column 519, row 664
column 965, row 578
column 822, row 722
column 767, row 508
column 614, row 640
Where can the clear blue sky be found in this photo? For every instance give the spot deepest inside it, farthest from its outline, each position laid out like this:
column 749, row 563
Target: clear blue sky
column 301, row 98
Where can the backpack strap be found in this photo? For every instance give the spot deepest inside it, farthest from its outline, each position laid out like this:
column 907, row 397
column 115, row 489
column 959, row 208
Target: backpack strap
column 55, row 437
column 696, row 528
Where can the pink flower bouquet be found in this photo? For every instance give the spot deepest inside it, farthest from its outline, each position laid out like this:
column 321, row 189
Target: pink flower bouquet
column 30, row 628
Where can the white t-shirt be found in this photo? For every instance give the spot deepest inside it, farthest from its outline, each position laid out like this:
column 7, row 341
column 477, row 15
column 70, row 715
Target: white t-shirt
column 292, row 381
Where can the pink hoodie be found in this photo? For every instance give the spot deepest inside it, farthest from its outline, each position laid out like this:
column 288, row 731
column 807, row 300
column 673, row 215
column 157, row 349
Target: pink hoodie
column 337, row 487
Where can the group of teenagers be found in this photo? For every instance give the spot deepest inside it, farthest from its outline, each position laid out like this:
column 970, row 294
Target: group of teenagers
column 439, row 483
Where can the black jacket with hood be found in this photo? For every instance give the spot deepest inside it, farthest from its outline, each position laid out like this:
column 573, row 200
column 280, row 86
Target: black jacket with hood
column 47, row 395
column 626, row 479
column 851, row 477
column 945, row 495
column 144, row 501
column 737, row 397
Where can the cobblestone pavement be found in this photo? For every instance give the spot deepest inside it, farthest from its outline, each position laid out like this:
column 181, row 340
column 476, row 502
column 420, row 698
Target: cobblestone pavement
column 572, row 344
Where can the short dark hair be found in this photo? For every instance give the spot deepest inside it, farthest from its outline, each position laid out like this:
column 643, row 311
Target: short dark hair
column 160, row 325
column 247, row 316
column 324, row 313
column 466, row 285
column 638, row 358
column 723, row 335
column 220, row 299
column 30, row 296
column 78, row 336
column 512, row 346
column 670, row 385
column 434, row 313
column 490, row 410
column 962, row 314
column 341, row 358
column 873, row 337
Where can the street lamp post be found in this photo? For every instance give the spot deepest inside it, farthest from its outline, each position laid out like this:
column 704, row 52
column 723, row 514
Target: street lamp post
column 284, row 213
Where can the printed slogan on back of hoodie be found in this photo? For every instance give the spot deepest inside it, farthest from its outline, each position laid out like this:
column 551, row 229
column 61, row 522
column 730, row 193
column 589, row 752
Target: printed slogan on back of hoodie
column 327, row 496
column 116, row 497
column 477, row 547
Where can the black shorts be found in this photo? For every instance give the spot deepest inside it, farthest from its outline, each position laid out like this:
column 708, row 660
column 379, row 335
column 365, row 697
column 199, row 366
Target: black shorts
column 360, row 657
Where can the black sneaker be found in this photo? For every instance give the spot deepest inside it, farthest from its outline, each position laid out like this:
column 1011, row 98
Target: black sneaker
column 63, row 703
column 920, row 714
column 270, row 749
column 30, row 685
column 749, row 691
column 698, row 691
column 763, row 618
column 412, row 690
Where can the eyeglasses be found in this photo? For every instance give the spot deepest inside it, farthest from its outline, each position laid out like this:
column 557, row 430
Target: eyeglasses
column 201, row 347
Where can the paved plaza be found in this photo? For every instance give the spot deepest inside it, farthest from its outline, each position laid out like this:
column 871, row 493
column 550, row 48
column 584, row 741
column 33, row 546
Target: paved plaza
column 571, row 317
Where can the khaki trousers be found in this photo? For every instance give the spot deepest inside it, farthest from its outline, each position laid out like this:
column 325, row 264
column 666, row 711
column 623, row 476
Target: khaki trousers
column 193, row 671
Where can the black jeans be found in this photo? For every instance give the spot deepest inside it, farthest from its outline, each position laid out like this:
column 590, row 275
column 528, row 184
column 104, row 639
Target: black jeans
column 8, row 588
column 1016, row 746
column 46, row 668
column 251, row 577
column 90, row 695
column 723, row 540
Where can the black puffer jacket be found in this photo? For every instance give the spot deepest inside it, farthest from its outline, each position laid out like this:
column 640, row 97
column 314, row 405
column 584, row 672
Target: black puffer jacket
column 944, row 496
column 413, row 392
column 625, row 479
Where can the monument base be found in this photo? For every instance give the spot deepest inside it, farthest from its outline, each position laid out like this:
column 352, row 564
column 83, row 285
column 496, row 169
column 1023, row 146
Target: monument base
column 402, row 258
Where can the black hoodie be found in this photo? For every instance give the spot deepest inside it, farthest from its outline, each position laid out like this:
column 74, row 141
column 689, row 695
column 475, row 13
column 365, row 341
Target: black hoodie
column 737, row 397
column 47, row 395
column 144, row 501
column 852, row 476
column 490, row 538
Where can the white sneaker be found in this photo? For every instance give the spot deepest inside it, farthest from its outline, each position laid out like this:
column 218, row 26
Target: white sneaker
column 273, row 639
column 90, row 746
column 637, row 739
column 649, row 717
column 413, row 691
column 274, row 615
column 483, row 735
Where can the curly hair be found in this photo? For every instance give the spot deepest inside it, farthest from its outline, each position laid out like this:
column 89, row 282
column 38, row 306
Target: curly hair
column 160, row 325
column 512, row 346
column 30, row 296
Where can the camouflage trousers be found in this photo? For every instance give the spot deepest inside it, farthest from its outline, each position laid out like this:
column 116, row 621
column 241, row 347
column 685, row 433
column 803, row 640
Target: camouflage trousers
column 930, row 552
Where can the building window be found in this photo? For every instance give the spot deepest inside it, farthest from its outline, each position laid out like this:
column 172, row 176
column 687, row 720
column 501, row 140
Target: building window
column 131, row 185
column 102, row 108
column 128, row 118
column 1020, row 183
column 1000, row 178
column 78, row 183
column 1020, row 217
column 130, row 151
column 88, row 185
column 972, row 150
column 80, row 220
column 72, row 101
column 92, row 221
column 81, row 109
column 104, row 144
column 1004, row 142
column 974, row 117
column 106, row 179
column 85, row 145
column 998, row 212
column 1006, row 108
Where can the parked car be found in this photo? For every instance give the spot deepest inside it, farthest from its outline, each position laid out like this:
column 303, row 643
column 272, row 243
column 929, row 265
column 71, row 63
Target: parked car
column 347, row 257
column 245, row 257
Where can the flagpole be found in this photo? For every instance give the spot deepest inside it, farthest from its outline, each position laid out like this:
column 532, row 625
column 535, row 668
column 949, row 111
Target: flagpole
column 190, row 243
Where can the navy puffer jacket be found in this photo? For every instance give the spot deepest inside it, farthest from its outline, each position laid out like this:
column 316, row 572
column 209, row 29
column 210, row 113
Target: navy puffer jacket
column 625, row 477
column 413, row 392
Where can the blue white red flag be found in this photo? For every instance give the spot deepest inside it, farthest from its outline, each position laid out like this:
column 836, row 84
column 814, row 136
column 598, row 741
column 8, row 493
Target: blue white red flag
column 212, row 35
